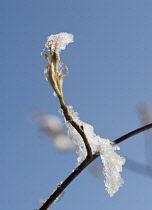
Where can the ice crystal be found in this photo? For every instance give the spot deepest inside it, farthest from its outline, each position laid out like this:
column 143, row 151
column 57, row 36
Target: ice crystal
column 112, row 162
column 59, row 41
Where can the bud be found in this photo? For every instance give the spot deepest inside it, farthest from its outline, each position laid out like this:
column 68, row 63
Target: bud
column 56, row 70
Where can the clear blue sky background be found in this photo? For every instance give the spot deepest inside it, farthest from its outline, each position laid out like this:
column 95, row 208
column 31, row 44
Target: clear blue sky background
column 110, row 66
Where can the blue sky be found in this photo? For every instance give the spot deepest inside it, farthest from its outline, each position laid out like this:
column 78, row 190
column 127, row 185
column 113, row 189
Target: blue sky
column 110, row 75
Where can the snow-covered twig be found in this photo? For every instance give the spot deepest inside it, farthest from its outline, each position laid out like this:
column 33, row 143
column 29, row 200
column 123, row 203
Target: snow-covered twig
column 83, row 165
column 78, row 128
column 90, row 145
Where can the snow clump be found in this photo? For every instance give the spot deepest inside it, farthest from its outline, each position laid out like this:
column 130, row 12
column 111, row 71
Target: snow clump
column 112, row 162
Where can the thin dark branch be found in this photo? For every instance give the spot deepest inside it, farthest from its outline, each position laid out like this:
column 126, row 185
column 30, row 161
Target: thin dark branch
column 79, row 129
column 83, row 165
column 132, row 133
column 66, row 182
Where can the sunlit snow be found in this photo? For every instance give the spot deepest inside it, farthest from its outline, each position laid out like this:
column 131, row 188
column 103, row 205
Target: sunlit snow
column 112, row 162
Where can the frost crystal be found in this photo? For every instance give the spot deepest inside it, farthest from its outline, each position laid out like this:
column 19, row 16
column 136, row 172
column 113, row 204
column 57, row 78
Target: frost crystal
column 59, row 41
column 112, row 162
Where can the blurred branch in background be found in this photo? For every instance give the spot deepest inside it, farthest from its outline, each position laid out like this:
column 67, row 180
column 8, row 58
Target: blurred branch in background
column 146, row 119
column 139, row 168
column 52, row 126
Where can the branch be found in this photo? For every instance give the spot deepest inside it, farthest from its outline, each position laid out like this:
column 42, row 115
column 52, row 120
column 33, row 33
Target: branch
column 83, row 165
column 66, row 182
column 79, row 129
column 132, row 133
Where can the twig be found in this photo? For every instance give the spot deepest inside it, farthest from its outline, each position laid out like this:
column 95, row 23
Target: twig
column 79, row 129
column 66, row 182
column 83, row 165
column 132, row 133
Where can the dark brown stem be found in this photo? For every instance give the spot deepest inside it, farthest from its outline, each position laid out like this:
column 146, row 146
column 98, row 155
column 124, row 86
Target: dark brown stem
column 83, row 165
column 66, row 182
column 132, row 133
column 79, row 129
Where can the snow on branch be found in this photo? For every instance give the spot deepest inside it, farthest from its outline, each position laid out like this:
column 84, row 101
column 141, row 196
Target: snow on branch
column 105, row 148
